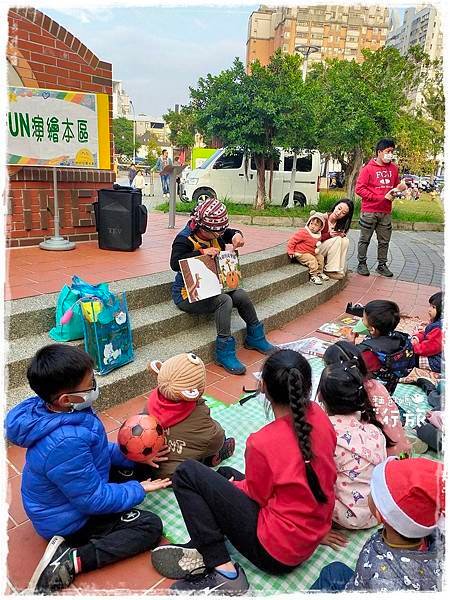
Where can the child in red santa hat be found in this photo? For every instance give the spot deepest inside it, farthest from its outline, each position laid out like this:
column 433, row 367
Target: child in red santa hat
column 407, row 497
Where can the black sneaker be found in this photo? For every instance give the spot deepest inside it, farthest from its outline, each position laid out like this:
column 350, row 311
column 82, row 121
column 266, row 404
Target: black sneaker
column 225, row 452
column 176, row 561
column 383, row 270
column 213, row 582
column 363, row 270
column 55, row 570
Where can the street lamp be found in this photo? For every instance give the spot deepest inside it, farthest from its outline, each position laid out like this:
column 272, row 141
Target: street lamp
column 306, row 50
column 134, row 131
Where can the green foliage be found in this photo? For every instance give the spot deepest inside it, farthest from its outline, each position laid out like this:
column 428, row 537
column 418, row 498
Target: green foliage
column 153, row 150
column 123, row 136
column 182, row 127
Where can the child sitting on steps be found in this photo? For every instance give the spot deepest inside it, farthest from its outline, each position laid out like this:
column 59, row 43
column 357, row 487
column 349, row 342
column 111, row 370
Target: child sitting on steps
column 178, row 406
column 276, row 514
column 304, row 247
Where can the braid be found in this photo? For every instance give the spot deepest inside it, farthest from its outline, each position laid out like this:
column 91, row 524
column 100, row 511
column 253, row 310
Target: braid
column 303, row 429
column 368, row 415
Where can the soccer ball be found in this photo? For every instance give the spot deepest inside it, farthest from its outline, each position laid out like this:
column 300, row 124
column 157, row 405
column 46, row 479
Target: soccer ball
column 140, row 438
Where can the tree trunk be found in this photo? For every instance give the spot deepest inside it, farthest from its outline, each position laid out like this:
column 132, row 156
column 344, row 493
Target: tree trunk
column 292, row 184
column 260, row 200
column 270, row 179
column 352, row 171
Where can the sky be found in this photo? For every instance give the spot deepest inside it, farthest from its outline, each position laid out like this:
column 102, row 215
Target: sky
column 159, row 52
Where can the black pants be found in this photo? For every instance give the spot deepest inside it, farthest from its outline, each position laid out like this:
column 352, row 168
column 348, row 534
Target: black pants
column 106, row 539
column 221, row 306
column 213, row 508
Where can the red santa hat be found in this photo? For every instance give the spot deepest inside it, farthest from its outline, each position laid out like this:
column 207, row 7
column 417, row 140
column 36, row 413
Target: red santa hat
column 409, row 494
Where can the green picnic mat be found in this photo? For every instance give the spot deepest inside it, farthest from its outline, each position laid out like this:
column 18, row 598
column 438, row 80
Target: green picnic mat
column 239, row 422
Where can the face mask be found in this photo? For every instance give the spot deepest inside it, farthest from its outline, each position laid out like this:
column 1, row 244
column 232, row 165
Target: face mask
column 360, row 328
column 388, row 157
column 89, row 399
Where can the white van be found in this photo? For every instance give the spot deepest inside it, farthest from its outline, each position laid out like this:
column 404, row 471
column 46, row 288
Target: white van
column 223, row 176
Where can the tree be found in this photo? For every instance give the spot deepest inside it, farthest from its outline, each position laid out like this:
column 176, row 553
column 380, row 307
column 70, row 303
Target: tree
column 123, row 136
column 248, row 111
column 433, row 106
column 182, row 126
column 358, row 103
column 153, row 149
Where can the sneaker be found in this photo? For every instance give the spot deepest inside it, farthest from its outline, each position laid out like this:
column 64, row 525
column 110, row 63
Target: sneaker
column 315, row 279
column 225, row 452
column 323, row 277
column 55, row 571
column 363, row 270
column 383, row 270
column 417, row 445
column 335, row 275
column 176, row 562
column 213, row 582
column 426, row 385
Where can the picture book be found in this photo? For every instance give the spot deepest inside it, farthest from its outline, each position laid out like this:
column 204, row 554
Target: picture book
column 206, row 276
column 311, row 346
column 339, row 328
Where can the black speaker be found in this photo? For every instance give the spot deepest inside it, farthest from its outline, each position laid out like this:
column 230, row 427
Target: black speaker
column 120, row 218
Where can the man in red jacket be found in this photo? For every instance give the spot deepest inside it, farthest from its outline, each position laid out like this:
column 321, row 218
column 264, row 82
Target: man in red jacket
column 376, row 179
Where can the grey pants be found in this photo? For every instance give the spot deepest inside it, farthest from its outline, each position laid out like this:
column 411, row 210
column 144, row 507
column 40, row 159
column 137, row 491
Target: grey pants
column 222, row 306
column 381, row 223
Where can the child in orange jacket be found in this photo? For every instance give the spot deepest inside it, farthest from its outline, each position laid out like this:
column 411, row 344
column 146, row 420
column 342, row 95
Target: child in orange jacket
column 304, row 247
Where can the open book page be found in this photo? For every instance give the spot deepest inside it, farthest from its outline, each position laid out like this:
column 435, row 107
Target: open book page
column 312, row 346
column 339, row 328
column 229, row 270
column 200, row 277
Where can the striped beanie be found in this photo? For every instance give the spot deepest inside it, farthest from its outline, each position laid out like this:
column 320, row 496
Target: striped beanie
column 211, row 214
column 182, row 377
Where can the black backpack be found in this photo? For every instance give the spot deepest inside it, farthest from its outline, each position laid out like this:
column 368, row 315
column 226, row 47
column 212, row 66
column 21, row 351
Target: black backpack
column 394, row 365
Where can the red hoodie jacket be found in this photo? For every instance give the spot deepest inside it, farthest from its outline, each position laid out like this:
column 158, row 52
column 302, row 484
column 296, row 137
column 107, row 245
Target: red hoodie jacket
column 291, row 523
column 374, row 182
column 303, row 243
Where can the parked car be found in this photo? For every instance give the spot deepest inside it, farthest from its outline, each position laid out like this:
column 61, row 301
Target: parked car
column 224, row 175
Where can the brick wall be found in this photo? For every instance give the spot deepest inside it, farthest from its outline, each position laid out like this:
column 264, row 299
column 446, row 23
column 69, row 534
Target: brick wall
column 44, row 54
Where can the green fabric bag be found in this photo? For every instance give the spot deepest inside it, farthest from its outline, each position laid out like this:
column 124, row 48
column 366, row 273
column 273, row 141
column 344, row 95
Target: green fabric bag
column 73, row 330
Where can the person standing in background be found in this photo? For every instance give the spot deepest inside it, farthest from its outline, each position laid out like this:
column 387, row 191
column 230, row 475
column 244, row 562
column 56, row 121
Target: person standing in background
column 131, row 173
column 162, row 162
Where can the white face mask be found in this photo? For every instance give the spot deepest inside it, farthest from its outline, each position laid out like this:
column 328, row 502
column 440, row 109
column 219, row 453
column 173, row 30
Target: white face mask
column 388, row 157
column 88, row 397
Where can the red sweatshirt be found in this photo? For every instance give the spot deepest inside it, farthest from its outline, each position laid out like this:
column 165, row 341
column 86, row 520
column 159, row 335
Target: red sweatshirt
column 428, row 344
column 291, row 523
column 303, row 242
column 374, row 182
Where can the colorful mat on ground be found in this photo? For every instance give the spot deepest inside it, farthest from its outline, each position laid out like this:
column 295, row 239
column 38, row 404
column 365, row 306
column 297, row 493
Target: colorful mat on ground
column 240, row 421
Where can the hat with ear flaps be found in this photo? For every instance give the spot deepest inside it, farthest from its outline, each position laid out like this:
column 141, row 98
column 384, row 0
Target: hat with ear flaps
column 182, row 377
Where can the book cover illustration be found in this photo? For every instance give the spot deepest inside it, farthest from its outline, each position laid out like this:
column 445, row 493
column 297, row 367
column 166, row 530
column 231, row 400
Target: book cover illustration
column 229, row 270
column 339, row 328
column 206, row 276
column 311, row 346
column 200, row 277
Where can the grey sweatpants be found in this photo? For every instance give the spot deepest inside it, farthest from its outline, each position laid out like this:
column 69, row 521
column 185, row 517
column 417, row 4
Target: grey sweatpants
column 221, row 306
column 381, row 223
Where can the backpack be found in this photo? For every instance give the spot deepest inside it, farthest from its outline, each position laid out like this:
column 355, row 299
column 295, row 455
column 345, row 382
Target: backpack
column 394, row 365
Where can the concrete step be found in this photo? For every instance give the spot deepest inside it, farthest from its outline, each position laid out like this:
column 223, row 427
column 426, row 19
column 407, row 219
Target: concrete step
column 158, row 321
column 36, row 315
column 133, row 379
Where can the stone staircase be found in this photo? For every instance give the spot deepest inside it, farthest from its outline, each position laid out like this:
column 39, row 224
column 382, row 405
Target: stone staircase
column 280, row 291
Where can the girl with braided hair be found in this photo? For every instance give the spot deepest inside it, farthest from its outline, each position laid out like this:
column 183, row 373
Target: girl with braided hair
column 361, row 442
column 276, row 514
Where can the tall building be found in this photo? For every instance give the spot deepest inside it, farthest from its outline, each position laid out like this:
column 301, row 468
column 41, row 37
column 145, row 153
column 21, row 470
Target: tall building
column 420, row 27
column 338, row 31
column 121, row 101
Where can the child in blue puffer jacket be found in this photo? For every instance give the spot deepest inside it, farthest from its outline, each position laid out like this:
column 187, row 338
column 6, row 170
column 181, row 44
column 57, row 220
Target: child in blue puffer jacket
column 65, row 482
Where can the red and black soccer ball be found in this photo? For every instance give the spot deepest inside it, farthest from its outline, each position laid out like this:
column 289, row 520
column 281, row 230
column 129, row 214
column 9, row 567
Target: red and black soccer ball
column 140, row 438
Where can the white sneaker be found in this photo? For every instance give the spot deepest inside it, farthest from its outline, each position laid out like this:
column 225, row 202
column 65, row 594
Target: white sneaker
column 315, row 279
column 323, row 277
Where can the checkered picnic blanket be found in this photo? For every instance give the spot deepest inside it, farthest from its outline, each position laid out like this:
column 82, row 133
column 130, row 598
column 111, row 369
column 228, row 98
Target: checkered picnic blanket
column 240, row 421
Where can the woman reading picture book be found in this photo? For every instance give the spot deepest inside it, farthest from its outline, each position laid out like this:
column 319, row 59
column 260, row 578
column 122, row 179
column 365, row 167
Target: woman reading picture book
column 206, row 234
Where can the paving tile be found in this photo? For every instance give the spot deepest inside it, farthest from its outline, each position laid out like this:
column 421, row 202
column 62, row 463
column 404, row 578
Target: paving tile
column 219, row 394
column 122, row 411
column 16, row 456
column 233, row 385
column 12, row 471
column 109, row 423
column 25, row 551
column 14, row 500
column 212, row 377
column 249, row 356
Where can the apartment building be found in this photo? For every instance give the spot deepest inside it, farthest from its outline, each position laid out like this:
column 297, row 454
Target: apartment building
column 337, row 31
column 120, row 101
column 420, row 27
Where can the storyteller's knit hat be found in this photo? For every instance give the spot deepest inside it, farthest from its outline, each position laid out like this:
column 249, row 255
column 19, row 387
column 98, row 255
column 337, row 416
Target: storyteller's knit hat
column 211, row 214
column 409, row 494
column 182, row 377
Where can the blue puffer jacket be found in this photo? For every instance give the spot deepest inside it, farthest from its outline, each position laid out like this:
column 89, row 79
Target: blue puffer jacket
column 65, row 478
